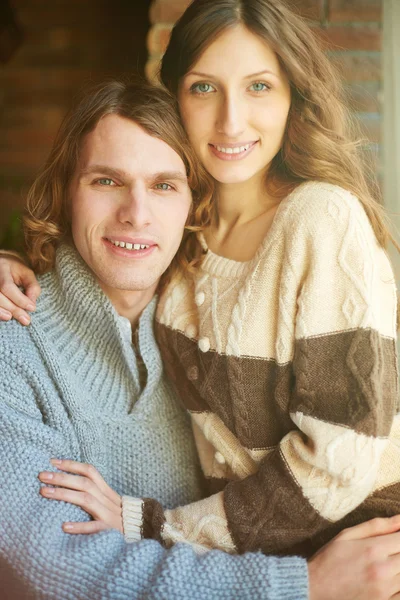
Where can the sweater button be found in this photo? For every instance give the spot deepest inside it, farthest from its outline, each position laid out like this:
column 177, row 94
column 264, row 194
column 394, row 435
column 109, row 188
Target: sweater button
column 192, row 373
column 220, row 458
column 204, row 344
column 191, row 330
column 200, row 297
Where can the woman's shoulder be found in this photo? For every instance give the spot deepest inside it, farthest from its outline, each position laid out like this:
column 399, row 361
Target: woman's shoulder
column 322, row 207
column 321, row 197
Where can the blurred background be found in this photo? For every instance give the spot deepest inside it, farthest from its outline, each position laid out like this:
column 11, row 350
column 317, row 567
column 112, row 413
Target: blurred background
column 49, row 49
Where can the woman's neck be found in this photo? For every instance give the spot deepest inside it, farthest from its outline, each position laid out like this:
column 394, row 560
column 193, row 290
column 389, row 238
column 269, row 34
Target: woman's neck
column 243, row 216
column 238, row 203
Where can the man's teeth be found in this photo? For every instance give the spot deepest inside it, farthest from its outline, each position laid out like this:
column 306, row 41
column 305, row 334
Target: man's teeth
column 129, row 246
column 237, row 150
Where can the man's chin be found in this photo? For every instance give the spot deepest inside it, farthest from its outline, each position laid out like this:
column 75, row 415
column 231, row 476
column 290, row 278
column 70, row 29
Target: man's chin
column 127, row 283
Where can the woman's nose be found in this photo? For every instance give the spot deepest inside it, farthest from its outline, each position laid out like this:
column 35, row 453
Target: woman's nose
column 232, row 117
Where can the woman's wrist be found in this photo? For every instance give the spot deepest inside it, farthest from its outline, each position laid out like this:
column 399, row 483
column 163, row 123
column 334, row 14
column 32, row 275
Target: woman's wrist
column 132, row 518
column 142, row 518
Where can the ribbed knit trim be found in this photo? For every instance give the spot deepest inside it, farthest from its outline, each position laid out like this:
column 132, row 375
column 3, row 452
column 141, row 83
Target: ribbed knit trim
column 132, row 518
column 220, row 266
column 286, row 580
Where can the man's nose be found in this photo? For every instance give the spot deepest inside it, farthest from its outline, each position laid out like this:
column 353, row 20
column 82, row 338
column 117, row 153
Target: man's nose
column 231, row 120
column 135, row 208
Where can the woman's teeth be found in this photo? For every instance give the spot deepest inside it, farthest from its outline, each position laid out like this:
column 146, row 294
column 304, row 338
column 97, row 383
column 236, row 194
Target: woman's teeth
column 236, row 150
column 129, row 246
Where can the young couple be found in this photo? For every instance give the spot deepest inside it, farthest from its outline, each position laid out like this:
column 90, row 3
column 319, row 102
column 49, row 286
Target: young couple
column 276, row 323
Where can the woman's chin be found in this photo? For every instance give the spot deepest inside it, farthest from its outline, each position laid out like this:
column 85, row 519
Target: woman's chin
column 233, row 176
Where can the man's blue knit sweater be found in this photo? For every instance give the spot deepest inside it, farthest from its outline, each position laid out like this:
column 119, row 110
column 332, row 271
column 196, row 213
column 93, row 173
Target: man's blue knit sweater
column 69, row 388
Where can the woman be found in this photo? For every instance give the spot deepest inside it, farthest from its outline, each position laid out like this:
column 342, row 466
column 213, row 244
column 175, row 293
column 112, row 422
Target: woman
column 280, row 337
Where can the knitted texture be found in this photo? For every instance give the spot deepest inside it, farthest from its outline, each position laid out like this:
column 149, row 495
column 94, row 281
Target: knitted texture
column 287, row 364
column 69, row 388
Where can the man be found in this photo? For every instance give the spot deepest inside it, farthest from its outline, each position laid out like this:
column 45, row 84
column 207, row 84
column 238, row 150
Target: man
column 104, row 221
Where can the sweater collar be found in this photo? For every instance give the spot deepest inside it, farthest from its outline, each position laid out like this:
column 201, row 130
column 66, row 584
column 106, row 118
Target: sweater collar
column 77, row 318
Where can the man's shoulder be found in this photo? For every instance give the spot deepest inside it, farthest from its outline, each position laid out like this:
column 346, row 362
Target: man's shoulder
column 19, row 350
column 18, row 338
column 24, row 376
column 14, row 339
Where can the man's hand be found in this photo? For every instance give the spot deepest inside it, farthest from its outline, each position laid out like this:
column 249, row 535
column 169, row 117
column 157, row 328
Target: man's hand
column 361, row 563
column 85, row 488
column 13, row 302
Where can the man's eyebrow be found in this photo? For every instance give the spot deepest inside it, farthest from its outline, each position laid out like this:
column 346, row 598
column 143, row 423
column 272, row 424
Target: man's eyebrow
column 175, row 175
column 209, row 76
column 103, row 169
column 120, row 174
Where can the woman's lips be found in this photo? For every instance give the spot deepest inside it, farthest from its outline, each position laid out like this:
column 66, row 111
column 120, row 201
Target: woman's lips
column 231, row 152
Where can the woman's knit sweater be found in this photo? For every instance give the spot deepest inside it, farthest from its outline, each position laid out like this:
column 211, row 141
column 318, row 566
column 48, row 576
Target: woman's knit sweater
column 287, row 365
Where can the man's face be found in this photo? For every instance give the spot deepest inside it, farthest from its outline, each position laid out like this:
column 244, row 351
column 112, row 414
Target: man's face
column 129, row 200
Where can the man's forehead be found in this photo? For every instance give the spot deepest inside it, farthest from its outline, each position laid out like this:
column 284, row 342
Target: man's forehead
column 121, row 143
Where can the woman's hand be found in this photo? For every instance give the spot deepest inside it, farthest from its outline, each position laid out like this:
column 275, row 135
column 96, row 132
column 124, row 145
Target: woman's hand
column 13, row 302
column 361, row 563
column 85, row 488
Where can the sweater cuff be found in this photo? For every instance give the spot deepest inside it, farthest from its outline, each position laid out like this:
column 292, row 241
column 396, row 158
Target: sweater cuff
column 142, row 518
column 153, row 520
column 132, row 518
column 288, row 578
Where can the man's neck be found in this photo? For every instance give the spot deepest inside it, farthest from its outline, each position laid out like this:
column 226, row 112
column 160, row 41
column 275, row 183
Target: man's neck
column 129, row 304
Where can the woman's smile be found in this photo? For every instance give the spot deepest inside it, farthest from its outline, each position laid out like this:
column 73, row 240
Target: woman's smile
column 231, row 152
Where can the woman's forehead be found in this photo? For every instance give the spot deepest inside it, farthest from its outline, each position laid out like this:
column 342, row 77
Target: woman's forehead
column 240, row 49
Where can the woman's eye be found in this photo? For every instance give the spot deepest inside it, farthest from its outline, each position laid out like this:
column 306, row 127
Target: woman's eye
column 202, row 88
column 105, row 181
column 164, row 187
column 259, row 86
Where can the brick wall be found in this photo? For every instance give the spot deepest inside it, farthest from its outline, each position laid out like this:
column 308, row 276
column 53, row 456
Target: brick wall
column 66, row 43
column 351, row 33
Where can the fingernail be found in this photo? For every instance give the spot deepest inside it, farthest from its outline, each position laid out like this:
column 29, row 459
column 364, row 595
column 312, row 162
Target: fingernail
column 46, row 476
column 48, row 491
column 24, row 320
column 68, row 526
column 30, row 307
column 5, row 314
column 56, row 461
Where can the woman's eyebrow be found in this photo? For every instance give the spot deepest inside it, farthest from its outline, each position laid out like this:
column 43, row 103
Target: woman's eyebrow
column 259, row 73
column 209, row 76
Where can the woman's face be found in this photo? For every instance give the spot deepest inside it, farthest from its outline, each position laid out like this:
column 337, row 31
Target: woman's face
column 234, row 104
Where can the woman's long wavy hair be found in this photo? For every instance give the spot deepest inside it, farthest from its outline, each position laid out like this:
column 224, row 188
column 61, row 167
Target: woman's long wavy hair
column 47, row 220
column 321, row 141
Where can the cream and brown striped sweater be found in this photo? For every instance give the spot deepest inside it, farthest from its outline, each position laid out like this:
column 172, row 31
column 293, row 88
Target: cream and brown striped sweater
column 287, row 366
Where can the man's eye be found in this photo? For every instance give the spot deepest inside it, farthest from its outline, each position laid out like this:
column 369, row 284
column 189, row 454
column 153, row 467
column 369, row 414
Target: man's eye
column 165, row 187
column 202, row 88
column 260, row 86
column 105, row 181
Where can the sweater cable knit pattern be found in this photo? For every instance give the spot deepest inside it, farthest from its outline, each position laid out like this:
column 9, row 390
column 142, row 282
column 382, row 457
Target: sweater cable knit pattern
column 290, row 380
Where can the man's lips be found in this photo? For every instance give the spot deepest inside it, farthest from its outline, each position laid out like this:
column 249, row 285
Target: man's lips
column 231, row 152
column 129, row 246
